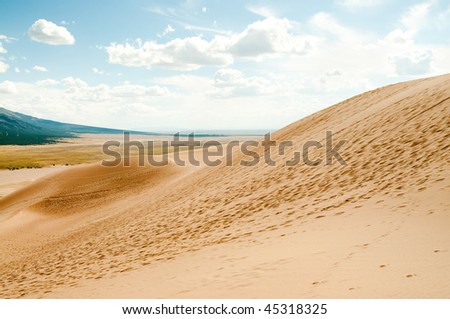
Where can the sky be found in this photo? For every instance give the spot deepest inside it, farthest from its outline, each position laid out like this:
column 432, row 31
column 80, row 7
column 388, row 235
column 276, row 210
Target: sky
column 210, row 65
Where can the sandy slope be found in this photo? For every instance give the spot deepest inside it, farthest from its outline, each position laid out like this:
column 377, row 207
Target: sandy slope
column 377, row 227
column 10, row 181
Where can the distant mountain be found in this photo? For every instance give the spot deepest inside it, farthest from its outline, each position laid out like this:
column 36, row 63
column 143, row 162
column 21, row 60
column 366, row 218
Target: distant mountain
column 20, row 129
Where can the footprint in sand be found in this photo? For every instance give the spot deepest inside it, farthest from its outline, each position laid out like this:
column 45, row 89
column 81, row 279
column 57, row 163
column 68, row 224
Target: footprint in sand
column 315, row 283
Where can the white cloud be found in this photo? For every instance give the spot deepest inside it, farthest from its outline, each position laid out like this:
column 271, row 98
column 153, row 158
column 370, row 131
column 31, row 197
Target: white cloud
column 187, row 83
column 47, row 32
column 181, row 54
column 129, row 90
column 328, row 23
column 443, row 19
column 74, row 82
column 261, row 11
column 64, row 22
column 3, row 67
column 400, row 37
column 166, row 31
column 117, row 106
column 356, row 4
column 47, row 82
column 432, row 16
column 335, row 81
column 230, row 82
column 204, row 9
column 333, row 73
column 306, row 67
column 214, row 29
column 267, row 37
column 40, row 68
column 6, row 39
column 97, row 71
column 17, row 70
column 8, row 87
column 260, row 39
column 168, row 12
column 416, row 17
column 366, row 56
column 406, row 56
column 412, row 63
column 83, row 90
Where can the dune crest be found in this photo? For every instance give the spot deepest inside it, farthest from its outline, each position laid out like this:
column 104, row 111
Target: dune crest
column 235, row 231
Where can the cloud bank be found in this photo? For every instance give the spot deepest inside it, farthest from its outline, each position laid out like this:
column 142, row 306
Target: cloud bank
column 261, row 39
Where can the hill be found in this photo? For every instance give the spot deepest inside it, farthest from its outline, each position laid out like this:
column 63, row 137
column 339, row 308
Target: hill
column 20, row 129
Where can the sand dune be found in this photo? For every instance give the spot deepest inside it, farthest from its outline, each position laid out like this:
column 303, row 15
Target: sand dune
column 376, row 227
column 10, row 181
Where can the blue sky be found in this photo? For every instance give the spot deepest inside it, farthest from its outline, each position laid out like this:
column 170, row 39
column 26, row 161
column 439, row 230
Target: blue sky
column 210, row 64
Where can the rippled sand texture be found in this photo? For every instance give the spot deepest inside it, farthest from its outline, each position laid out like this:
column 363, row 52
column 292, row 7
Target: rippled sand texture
column 377, row 227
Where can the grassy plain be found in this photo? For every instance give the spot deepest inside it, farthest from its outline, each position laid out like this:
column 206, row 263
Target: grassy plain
column 70, row 151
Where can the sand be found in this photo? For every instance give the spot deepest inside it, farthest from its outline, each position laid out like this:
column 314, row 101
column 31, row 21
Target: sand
column 10, row 181
column 374, row 228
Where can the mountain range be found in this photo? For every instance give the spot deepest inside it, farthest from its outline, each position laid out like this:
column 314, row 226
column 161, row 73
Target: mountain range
column 20, row 129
